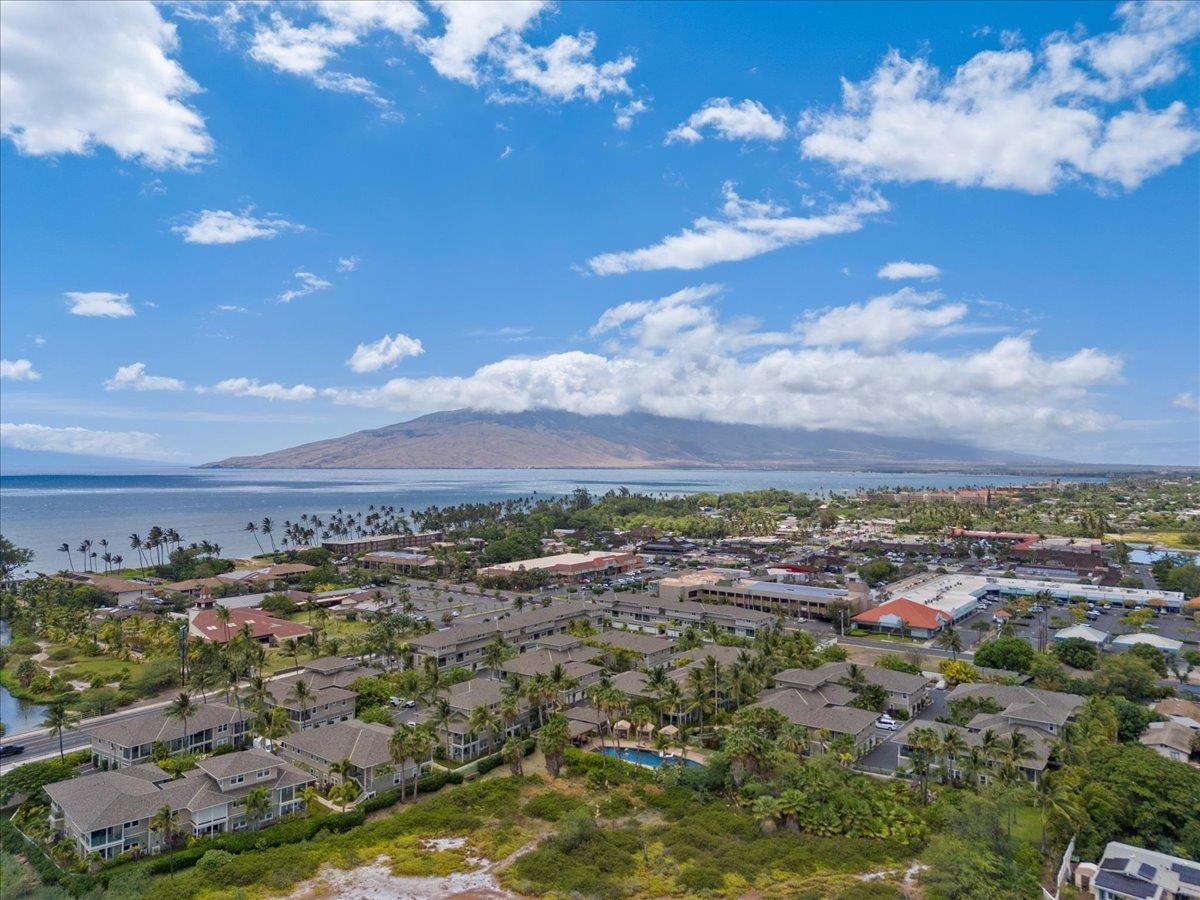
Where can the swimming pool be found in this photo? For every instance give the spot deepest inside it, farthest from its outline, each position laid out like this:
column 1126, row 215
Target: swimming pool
column 648, row 758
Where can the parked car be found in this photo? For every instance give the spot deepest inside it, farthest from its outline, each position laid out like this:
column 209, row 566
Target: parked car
column 887, row 723
column 11, row 750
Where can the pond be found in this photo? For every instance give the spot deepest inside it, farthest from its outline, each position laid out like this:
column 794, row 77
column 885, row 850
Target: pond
column 18, row 716
column 647, row 758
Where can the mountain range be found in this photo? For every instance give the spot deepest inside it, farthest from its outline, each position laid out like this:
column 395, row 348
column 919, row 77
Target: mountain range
column 465, row 439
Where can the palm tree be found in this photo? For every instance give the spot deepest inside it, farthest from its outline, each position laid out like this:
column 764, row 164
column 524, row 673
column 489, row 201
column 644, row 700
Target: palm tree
column 292, row 648
column 952, row 749
column 766, row 810
column 495, row 653
column 949, row 639
column 57, row 719
column 258, row 804
column 165, row 822
column 64, row 547
column 483, row 720
column 253, row 529
column 267, row 528
column 400, row 748
column 84, row 549
column 553, row 739
column 514, row 754
column 303, row 696
column 223, row 616
column 135, row 543
column 182, row 708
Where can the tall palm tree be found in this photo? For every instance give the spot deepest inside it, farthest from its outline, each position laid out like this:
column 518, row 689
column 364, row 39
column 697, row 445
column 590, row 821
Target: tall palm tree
column 267, row 527
column 223, row 616
column 58, row 718
column 182, row 708
column 135, row 543
column 258, row 804
column 400, row 748
column 166, row 823
column 949, row 639
column 253, row 529
column 84, row 549
column 481, row 721
column 303, row 695
column 64, row 547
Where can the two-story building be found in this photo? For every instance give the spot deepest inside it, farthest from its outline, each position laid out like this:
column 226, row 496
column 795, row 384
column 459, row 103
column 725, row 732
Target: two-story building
column 130, row 740
column 575, row 666
column 329, row 699
column 641, row 612
column 462, row 741
column 906, row 693
column 463, row 644
column 365, row 745
column 110, row 813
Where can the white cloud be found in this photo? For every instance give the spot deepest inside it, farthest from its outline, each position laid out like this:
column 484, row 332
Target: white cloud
column 903, row 270
column 1186, row 400
column 309, row 284
column 347, row 263
column 133, row 377
column 387, row 351
column 102, row 304
column 746, row 229
column 18, row 370
column 220, row 226
column 627, row 112
column 1021, row 119
column 480, row 44
column 506, row 152
column 309, row 50
column 74, row 76
column 229, row 308
column 677, row 357
column 251, row 387
column 128, row 444
column 882, row 322
column 745, row 121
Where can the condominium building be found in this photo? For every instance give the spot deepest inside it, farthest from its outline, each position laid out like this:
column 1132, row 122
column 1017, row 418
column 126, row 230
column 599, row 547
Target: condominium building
column 109, row 813
column 463, row 644
column 366, row 746
column 131, row 740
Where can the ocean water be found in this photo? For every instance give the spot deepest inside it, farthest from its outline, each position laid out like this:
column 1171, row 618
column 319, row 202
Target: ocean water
column 43, row 511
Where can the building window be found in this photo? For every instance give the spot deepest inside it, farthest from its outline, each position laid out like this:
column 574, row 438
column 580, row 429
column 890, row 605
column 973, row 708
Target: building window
column 237, row 779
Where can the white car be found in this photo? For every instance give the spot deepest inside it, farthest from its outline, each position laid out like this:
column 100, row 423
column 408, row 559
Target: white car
column 887, row 723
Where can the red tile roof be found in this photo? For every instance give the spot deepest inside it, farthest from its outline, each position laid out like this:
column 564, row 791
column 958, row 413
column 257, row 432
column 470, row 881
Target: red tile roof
column 208, row 626
column 916, row 615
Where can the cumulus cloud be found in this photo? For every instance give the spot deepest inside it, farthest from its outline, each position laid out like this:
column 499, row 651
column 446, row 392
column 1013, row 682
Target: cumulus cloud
column 1021, row 119
column 18, row 370
column 746, row 228
column 308, row 284
column 75, row 76
column 676, row 356
column 481, row 44
column 133, row 377
column 882, row 322
column 627, row 112
column 745, row 121
column 251, row 387
column 102, row 304
column 127, row 444
column 220, row 226
column 1186, row 400
column 347, row 263
column 903, row 270
column 387, row 351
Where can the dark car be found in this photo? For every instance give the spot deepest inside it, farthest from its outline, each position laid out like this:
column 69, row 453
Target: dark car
column 11, row 750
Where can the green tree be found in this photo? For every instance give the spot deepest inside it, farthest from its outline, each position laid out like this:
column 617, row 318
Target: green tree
column 258, row 805
column 12, row 558
column 59, row 719
column 1012, row 653
column 553, row 740
column 182, row 708
column 1077, row 653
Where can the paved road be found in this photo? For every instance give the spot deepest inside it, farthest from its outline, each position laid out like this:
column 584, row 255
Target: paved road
column 42, row 744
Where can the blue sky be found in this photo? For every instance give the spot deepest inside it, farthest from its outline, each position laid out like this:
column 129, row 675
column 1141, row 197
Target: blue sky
column 231, row 229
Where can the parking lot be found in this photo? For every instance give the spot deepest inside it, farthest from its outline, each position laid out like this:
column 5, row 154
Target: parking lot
column 886, row 755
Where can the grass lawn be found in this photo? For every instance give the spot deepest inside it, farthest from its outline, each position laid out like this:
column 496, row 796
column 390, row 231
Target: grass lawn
column 1028, row 827
column 1173, row 539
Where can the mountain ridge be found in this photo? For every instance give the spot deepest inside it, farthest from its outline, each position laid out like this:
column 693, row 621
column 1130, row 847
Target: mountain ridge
column 465, row 439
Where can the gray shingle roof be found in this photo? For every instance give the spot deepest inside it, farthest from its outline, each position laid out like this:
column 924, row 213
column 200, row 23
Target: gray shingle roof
column 155, row 725
column 365, row 744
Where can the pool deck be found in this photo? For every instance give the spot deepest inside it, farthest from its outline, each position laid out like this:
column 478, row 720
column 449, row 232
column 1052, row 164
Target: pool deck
column 692, row 755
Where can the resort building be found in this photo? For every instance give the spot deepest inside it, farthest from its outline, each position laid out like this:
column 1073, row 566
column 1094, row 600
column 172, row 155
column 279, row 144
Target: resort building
column 575, row 665
column 643, row 651
column 569, row 566
column 906, row 693
column 206, row 625
column 327, row 696
column 672, row 618
column 109, row 813
column 779, row 598
column 365, row 745
column 463, row 644
column 822, row 713
column 462, row 741
column 408, row 562
column 354, row 546
column 130, row 741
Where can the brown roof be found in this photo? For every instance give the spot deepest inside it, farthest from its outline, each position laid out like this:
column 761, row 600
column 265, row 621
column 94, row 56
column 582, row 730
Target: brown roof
column 207, row 625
